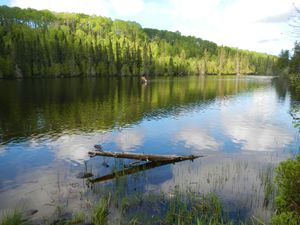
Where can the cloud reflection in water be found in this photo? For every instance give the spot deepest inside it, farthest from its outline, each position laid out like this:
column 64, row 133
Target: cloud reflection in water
column 257, row 125
column 129, row 139
column 197, row 138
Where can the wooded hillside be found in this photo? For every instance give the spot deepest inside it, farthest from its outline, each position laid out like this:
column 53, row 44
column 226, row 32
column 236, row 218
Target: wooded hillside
column 46, row 44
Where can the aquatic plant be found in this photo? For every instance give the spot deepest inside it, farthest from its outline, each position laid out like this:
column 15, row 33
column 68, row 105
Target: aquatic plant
column 78, row 218
column 101, row 211
column 13, row 218
column 190, row 208
column 266, row 176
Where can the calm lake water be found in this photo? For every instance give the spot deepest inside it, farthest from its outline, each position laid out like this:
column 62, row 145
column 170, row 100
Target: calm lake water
column 241, row 124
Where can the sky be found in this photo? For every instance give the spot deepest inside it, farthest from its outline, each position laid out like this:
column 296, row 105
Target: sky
column 258, row 25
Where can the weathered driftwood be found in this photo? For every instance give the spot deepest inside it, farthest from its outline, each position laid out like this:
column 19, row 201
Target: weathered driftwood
column 144, row 157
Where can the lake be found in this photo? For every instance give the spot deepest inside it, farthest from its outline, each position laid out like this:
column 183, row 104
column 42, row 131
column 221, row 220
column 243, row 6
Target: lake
column 241, row 125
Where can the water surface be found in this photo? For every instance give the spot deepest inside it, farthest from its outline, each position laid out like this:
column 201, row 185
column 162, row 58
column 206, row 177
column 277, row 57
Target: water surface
column 241, row 124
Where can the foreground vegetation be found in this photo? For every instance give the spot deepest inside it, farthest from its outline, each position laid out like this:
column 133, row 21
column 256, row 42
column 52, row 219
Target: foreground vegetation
column 180, row 208
column 288, row 172
column 288, row 198
column 13, row 218
column 47, row 44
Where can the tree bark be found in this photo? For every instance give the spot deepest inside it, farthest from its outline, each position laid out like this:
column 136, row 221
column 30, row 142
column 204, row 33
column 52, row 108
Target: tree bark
column 144, row 157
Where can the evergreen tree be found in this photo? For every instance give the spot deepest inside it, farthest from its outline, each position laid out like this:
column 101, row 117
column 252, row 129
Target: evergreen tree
column 42, row 43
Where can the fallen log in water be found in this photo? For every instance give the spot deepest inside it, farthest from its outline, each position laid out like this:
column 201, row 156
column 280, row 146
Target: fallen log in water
column 144, row 157
column 135, row 169
column 152, row 162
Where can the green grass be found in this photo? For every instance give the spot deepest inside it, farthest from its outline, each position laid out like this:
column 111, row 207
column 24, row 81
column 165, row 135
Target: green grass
column 266, row 176
column 13, row 218
column 101, row 211
column 192, row 209
column 288, row 197
column 176, row 208
column 77, row 219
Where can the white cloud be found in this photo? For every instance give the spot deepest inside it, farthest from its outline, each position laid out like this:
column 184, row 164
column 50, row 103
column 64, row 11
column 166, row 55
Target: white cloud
column 97, row 7
column 193, row 9
column 235, row 23
column 127, row 7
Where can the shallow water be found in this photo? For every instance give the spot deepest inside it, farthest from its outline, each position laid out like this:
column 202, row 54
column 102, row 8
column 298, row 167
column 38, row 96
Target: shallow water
column 241, row 124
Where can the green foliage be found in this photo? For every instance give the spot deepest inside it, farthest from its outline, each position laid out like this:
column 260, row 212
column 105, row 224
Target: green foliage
column 294, row 81
column 267, row 179
column 288, row 181
column 285, row 218
column 282, row 65
column 101, row 211
column 288, row 199
column 295, row 113
column 193, row 210
column 14, row 218
column 289, row 64
column 46, row 44
column 295, row 60
column 78, row 218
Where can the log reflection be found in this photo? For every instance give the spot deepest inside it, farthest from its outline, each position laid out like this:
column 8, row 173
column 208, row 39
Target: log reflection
column 131, row 170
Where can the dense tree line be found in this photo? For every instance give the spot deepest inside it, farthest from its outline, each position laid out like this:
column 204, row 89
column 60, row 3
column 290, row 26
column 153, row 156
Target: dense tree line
column 288, row 65
column 46, row 44
column 288, row 62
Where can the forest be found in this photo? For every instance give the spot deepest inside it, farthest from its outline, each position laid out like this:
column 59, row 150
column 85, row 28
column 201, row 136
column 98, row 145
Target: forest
column 42, row 43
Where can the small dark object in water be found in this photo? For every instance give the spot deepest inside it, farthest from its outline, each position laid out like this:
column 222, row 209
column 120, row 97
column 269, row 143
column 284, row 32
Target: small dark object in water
column 98, row 147
column 31, row 212
column 105, row 164
column 82, row 175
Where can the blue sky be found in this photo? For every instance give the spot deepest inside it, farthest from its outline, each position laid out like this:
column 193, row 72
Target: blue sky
column 259, row 25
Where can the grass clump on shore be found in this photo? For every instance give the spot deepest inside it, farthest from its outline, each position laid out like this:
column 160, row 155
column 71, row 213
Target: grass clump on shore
column 288, row 198
column 12, row 218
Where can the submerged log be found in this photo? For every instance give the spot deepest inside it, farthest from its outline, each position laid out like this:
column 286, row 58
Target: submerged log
column 144, row 157
column 135, row 169
column 152, row 161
